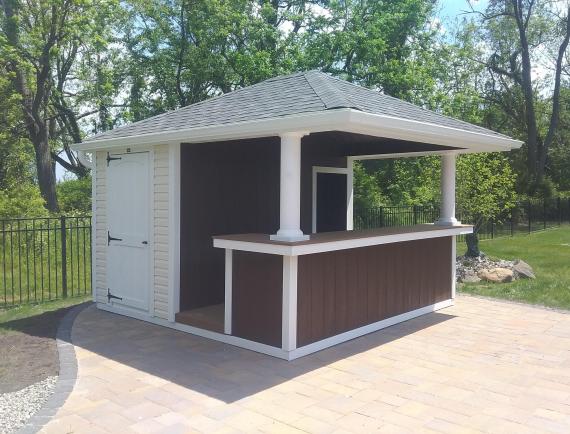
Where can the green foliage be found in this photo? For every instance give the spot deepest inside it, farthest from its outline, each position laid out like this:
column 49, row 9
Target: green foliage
column 367, row 192
column 22, row 200
column 485, row 186
column 75, row 196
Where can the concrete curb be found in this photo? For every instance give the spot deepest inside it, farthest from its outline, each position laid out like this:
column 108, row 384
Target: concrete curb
column 67, row 374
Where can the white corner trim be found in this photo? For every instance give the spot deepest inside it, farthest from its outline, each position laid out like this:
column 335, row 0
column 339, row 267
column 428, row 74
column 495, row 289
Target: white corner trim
column 173, row 231
column 350, row 194
column 94, row 228
column 353, row 243
column 289, row 306
column 349, row 120
column 364, row 330
column 326, row 169
column 453, row 266
column 228, row 282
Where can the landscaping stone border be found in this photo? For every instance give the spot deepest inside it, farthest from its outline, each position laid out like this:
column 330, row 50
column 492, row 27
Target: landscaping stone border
column 67, row 374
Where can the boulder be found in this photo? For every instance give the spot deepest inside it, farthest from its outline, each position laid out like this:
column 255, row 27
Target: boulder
column 496, row 275
column 522, row 269
column 470, row 277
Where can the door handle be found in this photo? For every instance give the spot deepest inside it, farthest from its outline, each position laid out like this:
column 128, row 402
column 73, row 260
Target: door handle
column 145, row 242
column 110, row 238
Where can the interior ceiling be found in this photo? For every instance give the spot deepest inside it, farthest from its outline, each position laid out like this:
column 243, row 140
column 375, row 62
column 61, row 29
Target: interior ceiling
column 361, row 144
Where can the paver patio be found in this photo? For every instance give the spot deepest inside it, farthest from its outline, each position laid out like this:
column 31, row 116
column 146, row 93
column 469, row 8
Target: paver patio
column 479, row 366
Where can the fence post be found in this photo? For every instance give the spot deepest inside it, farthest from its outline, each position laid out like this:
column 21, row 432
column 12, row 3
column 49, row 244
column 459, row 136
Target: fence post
column 529, row 218
column 544, row 213
column 63, row 256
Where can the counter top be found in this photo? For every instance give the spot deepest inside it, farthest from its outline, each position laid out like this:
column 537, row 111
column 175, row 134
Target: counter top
column 330, row 241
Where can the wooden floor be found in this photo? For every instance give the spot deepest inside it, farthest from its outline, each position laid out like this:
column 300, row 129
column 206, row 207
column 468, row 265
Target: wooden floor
column 208, row 317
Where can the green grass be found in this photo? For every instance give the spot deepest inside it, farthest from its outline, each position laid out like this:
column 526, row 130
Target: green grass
column 28, row 312
column 547, row 252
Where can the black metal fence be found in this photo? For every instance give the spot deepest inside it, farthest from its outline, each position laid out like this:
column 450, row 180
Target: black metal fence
column 525, row 217
column 44, row 259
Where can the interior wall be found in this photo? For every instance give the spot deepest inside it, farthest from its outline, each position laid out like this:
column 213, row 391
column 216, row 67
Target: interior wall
column 226, row 188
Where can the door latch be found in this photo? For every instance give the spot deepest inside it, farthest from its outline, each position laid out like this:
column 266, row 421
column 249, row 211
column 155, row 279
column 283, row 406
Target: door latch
column 110, row 238
column 110, row 296
column 109, row 158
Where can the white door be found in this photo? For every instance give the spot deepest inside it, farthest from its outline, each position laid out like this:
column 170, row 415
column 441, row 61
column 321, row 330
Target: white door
column 128, row 217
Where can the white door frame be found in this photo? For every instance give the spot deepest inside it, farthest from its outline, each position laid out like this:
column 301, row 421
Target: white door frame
column 150, row 192
column 348, row 171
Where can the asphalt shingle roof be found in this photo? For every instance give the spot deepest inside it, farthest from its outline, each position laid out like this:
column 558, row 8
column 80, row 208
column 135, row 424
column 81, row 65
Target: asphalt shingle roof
column 303, row 92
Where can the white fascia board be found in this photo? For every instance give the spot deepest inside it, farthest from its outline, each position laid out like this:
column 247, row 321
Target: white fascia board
column 348, row 120
column 307, row 122
column 354, row 243
column 423, row 132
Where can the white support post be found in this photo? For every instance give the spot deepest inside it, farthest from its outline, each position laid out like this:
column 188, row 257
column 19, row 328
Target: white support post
column 228, row 293
column 350, row 194
column 447, row 213
column 453, row 266
column 290, row 189
column 289, row 313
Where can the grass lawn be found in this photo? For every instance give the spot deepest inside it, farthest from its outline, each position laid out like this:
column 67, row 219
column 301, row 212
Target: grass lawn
column 30, row 311
column 547, row 252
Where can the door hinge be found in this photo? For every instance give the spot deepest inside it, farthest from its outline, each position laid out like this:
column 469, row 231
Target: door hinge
column 110, row 238
column 109, row 158
column 110, row 296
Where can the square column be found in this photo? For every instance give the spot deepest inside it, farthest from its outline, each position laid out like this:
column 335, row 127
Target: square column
column 290, row 189
column 447, row 212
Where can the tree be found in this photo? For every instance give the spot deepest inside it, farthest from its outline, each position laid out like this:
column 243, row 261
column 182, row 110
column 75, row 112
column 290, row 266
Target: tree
column 517, row 35
column 485, row 191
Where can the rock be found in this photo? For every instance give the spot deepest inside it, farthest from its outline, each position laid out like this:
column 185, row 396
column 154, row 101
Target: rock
column 470, row 277
column 522, row 269
column 496, row 275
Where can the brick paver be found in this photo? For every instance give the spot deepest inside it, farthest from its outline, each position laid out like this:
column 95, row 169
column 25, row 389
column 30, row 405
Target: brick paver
column 479, row 366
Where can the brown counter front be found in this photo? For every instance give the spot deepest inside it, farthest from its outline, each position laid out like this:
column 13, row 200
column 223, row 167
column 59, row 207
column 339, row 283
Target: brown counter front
column 343, row 281
column 346, row 289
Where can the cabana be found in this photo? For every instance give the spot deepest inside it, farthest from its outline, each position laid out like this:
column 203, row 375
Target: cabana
column 232, row 218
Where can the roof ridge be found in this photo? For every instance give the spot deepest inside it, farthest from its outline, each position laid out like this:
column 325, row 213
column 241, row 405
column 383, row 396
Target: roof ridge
column 331, row 96
column 402, row 101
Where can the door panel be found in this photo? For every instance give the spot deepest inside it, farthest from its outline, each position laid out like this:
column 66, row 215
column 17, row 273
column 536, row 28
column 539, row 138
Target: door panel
column 128, row 223
column 331, row 202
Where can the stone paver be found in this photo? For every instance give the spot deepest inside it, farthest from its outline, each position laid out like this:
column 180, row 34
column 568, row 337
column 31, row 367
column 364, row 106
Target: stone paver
column 479, row 366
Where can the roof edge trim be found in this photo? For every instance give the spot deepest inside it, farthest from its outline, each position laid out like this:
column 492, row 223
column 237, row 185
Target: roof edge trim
column 342, row 119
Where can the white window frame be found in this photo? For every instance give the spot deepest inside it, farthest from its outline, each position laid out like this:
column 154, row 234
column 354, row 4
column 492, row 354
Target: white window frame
column 348, row 171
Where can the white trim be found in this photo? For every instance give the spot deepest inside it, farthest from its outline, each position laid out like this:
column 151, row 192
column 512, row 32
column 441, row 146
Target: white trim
column 94, row 227
column 274, row 351
column 350, row 194
column 289, row 306
column 349, row 120
column 306, row 249
column 326, row 169
column 228, row 281
column 151, row 244
column 405, row 155
column 453, row 266
column 220, row 337
column 174, row 231
column 364, row 330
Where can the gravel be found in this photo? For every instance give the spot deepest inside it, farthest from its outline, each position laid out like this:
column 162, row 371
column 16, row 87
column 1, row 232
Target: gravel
column 17, row 407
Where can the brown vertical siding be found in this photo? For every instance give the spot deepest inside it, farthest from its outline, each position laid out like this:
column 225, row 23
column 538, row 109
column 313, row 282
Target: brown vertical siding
column 257, row 297
column 342, row 290
column 226, row 188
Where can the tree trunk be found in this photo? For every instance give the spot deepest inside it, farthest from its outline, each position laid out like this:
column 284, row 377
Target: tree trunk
column 46, row 172
column 472, row 241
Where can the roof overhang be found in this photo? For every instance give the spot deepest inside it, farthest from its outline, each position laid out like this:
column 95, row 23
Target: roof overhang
column 348, row 120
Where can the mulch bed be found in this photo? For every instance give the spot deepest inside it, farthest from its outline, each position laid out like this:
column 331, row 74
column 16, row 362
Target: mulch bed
column 28, row 350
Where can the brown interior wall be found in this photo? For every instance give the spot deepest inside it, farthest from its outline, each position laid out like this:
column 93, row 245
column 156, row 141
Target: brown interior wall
column 257, row 294
column 342, row 290
column 226, row 188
